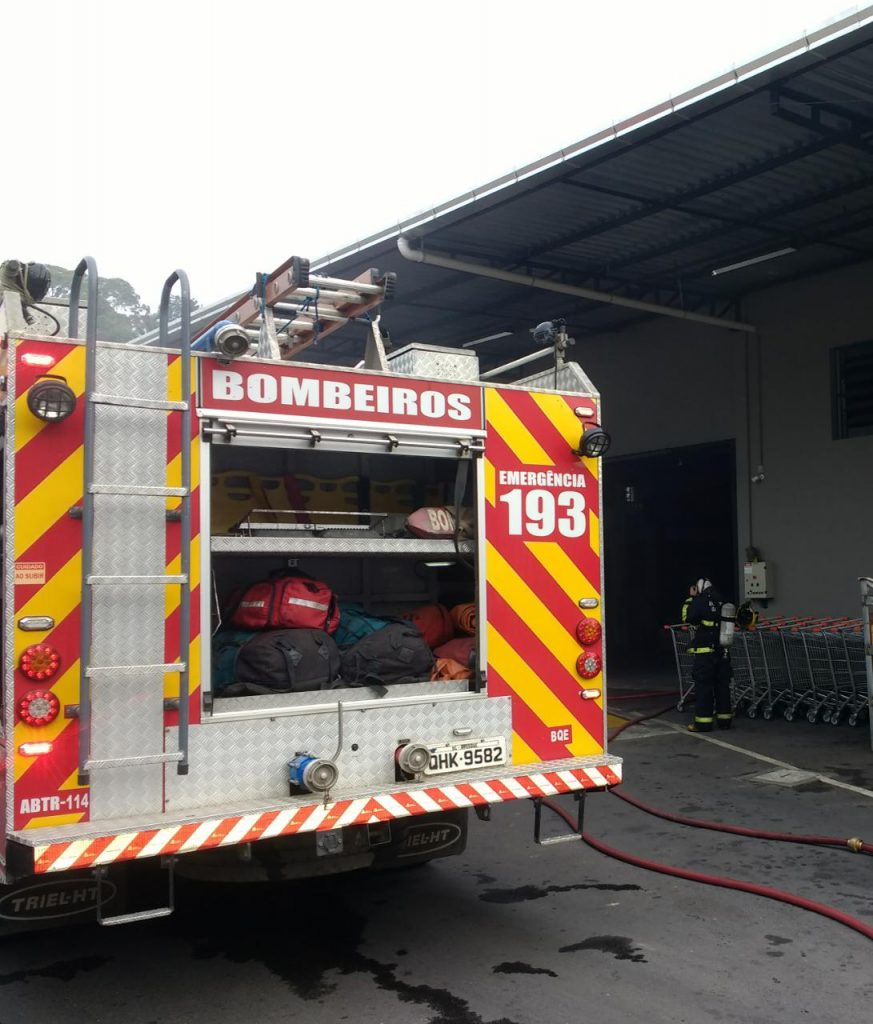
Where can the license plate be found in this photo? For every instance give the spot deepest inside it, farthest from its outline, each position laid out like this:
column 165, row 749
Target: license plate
column 465, row 754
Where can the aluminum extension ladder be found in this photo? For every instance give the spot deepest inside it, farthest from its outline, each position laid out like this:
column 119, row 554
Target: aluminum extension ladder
column 91, row 675
column 312, row 306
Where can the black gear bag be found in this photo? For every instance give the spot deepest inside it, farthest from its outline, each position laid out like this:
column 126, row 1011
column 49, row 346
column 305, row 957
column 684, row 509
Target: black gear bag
column 285, row 661
column 395, row 654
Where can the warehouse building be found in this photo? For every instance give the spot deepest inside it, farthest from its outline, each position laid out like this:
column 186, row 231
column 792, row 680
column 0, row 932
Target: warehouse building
column 712, row 258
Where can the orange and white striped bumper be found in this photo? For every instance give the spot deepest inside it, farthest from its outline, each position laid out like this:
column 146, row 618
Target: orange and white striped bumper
column 55, row 854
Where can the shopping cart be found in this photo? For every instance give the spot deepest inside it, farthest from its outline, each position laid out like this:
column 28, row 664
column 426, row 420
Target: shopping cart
column 680, row 635
column 760, row 648
column 867, row 642
column 808, row 666
column 746, row 684
column 748, row 649
column 850, row 673
column 776, row 689
column 809, row 657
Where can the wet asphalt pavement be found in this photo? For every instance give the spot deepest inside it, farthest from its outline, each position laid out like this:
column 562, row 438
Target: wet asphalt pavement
column 511, row 933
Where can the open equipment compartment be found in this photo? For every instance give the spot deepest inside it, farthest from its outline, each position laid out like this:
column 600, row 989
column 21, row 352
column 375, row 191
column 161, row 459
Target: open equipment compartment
column 287, row 496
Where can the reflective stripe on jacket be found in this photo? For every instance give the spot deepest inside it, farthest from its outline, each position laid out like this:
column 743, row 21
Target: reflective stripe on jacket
column 704, row 614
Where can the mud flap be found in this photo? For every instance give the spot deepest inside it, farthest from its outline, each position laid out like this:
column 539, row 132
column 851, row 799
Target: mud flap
column 37, row 902
column 47, row 901
column 407, row 841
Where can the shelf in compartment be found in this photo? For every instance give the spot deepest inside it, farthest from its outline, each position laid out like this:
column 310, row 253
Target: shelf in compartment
column 412, row 547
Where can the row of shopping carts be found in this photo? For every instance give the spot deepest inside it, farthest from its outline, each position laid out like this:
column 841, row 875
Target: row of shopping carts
column 795, row 666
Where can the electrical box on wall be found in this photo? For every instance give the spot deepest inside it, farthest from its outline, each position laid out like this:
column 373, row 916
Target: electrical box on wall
column 757, row 581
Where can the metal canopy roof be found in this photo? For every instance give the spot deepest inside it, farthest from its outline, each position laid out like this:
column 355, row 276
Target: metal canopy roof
column 776, row 155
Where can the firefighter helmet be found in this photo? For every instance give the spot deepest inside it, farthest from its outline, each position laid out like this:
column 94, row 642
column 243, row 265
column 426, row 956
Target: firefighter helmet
column 747, row 616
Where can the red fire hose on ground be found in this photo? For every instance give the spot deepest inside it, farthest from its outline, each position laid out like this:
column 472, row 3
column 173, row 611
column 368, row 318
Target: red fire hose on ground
column 855, row 845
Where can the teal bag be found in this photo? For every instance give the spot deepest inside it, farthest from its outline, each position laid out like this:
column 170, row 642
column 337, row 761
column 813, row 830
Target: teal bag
column 226, row 645
column 355, row 624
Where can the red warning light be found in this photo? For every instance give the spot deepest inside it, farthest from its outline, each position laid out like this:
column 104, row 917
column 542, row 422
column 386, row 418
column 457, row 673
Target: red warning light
column 588, row 632
column 40, row 662
column 588, row 665
column 38, row 707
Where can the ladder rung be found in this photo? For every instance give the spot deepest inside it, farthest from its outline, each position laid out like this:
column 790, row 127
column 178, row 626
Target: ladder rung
column 106, row 670
column 337, row 282
column 123, row 581
column 137, row 491
column 129, row 402
column 330, row 313
column 131, row 762
column 551, row 840
column 138, row 915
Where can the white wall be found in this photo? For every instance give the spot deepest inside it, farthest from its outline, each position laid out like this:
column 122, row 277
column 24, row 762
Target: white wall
column 669, row 384
column 813, row 511
column 666, row 384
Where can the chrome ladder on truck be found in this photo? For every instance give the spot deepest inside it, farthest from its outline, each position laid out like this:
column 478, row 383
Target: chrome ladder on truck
column 124, row 474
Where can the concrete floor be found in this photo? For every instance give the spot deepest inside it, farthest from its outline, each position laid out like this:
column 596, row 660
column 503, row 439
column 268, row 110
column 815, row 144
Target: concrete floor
column 511, row 933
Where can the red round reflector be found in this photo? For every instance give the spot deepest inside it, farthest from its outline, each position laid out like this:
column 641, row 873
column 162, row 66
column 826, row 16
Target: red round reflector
column 588, row 631
column 588, row 664
column 38, row 707
column 40, row 662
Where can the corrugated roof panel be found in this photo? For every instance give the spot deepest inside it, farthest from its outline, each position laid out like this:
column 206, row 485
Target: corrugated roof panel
column 785, row 156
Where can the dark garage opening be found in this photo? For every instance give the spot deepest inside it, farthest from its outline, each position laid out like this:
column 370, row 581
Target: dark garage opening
column 669, row 517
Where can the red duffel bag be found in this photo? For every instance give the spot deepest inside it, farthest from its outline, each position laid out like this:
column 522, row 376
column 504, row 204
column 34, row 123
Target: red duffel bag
column 433, row 622
column 460, row 649
column 288, row 602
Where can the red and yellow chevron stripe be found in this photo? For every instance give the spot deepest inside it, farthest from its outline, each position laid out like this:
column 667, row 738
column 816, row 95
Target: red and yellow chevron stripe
column 47, row 554
column 542, row 521
column 180, row 838
column 174, row 477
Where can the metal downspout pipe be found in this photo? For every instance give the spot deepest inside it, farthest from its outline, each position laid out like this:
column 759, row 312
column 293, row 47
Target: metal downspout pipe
column 433, row 259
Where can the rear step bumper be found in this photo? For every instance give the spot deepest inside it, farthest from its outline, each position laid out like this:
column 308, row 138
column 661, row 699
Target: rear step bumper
column 93, row 844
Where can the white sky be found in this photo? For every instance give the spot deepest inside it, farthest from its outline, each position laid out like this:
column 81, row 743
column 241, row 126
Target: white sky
column 224, row 136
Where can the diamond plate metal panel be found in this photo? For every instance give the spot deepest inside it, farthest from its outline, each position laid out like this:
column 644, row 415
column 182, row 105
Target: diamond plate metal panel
column 436, row 362
column 570, row 378
column 88, row 831
column 237, row 761
column 128, row 622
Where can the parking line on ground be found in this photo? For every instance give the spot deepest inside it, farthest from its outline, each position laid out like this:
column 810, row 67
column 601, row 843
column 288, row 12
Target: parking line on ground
column 763, row 757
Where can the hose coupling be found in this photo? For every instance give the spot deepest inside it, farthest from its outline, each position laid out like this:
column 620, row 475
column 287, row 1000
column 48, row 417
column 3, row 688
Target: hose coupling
column 855, row 845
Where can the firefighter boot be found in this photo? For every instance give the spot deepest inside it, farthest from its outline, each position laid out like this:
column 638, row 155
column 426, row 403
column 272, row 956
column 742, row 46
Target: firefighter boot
column 701, row 724
column 724, row 721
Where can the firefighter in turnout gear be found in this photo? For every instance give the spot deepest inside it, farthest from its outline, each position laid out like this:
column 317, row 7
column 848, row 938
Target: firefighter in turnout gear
column 711, row 668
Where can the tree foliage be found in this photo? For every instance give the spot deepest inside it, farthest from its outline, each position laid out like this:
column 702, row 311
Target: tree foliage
column 121, row 313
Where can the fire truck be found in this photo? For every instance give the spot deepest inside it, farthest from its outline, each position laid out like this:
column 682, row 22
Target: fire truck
column 145, row 484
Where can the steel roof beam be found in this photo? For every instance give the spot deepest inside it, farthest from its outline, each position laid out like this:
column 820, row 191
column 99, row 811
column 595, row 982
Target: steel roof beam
column 817, row 107
column 719, row 184
column 724, row 218
column 569, row 275
column 715, row 307
column 819, row 238
column 654, row 252
column 609, row 151
column 802, row 275
column 696, row 299
column 418, row 256
column 765, row 218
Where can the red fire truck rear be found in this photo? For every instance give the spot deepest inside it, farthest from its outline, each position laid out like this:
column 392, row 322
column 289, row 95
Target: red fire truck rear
column 147, row 487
